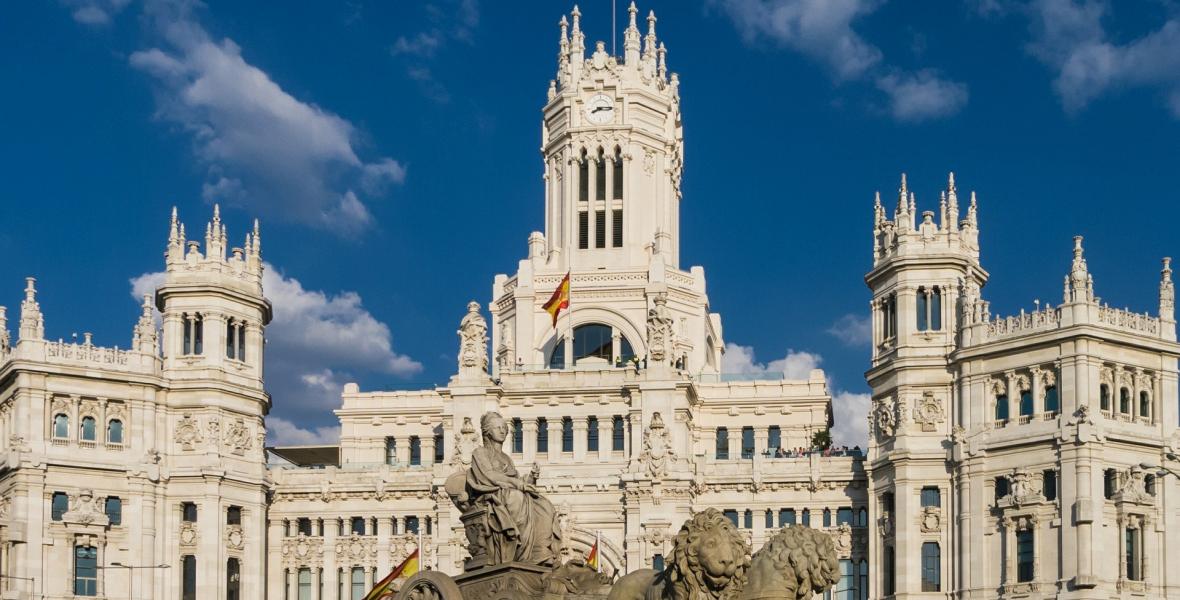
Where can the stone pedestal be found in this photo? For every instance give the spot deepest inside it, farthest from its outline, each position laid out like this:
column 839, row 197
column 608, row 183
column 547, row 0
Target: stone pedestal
column 509, row 581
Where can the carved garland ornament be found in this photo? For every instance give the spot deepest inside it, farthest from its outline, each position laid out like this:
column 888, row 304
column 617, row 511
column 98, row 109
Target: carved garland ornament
column 188, row 432
column 929, row 412
column 886, row 419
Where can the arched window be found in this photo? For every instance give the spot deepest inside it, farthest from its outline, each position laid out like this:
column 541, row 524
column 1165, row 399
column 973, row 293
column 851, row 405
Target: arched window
column 115, row 431
column 1144, row 404
column 61, row 426
column 617, row 212
column 931, row 567
column 936, row 309
column 1125, row 401
column 85, row 571
column 1002, row 407
column 618, row 174
column 806, row 517
column 412, row 524
column 583, row 178
column 600, row 176
column 1104, row 395
column 923, row 315
column 87, row 429
column 827, row 517
column 233, row 579
column 1026, row 403
column 1052, row 402
column 862, row 585
column 593, row 343
column 567, row 434
column 194, row 334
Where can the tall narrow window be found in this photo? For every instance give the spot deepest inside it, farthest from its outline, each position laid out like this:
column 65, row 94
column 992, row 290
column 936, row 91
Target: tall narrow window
column 774, row 438
column 1002, row 407
column 1125, row 401
column 617, row 434
column 231, row 348
column 59, row 505
column 1052, row 402
column 747, row 442
column 85, row 571
column 923, row 310
column 187, row 348
column 1049, row 484
column 769, row 519
column 439, row 445
column 889, row 564
column 583, row 178
column 188, row 512
column 61, row 426
column 936, row 309
column 1026, row 403
column 87, row 429
column 567, row 434
column 862, row 575
column 931, row 567
column 1001, row 487
column 358, row 583
column 618, row 175
column 617, row 228
column 542, row 434
column 415, row 451
column 198, row 335
column 114, row 510
column 583, row 230
column 1104, row 395
column 412, row 524
column 1134, row 564
column 732, row 515
column 303, row 526
column 241, row 338
column 1024, row 555
column 843, row 590
column 600, row 229
column 188, row 577
column 1144, row 404
column 722, row 445
column 115, row 432
column 391, row 450
column 827, row 517
column 600, row 177
column 844, row 516
column 592, row 434
column 931, row 497
column 862, row 517
column 1110, row 483
column 304, row 592
column 517, row 436
column 805, row 517
column 748, row 519
column 357, row 525
column 233, row 579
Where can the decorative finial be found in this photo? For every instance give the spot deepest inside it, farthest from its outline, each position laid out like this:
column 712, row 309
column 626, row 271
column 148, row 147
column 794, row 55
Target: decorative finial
column 577, row 16
column 30, row 289
column 173, row 230
column 1167, row 292
column 633, row 12
column 950, row 182
column 216, row 213
column 564, row 25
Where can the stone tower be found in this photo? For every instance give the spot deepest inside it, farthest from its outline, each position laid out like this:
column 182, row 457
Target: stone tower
column 922, row 267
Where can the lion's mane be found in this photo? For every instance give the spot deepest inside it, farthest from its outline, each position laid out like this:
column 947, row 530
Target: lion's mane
column 684, row 576
column 799, row 557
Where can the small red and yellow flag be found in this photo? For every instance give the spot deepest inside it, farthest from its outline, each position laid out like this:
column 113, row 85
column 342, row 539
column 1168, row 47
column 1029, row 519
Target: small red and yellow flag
column 592, row 557
column 559, row 300
column 384, row 588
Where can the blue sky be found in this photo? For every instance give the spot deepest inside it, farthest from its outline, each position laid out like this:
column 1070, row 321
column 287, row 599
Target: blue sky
column 391, row 152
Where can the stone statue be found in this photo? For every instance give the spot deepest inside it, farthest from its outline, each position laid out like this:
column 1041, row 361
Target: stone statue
column 796, row 564
column 473, row 342
column 657, row 448
column 505, row 517
column 708, row 562
column 659, row 329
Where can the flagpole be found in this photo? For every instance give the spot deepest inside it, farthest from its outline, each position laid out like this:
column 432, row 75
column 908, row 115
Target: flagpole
column 598, row 550
column 421, row 554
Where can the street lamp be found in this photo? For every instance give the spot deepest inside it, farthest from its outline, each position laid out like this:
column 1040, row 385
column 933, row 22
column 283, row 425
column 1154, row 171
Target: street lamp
column 130, row 579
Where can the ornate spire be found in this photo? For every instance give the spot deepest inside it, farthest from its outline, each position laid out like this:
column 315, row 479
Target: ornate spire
column 1081, row 284
column 173, row 230
column 631, row 38
column 649, row 40
column 972, row 213
column 143, row 338
column 942, row 210
column 952, row 204
column 5, row 340
column 1167, row 292
column 577, row 38
column 662, row 67
column 903, row 194
column 32, row 322
column 878, row 210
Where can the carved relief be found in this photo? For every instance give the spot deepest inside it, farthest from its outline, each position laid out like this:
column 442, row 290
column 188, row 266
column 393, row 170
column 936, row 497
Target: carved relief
column 659, row 329
column 886, row 419
column 465, row 442
column 657, row 448
column 929, row 412
column 842, row 537
column 506, row 353
column 1134, row 488
column 237, row 437
column 356, row 550
column 188, row 534
column 234, row 538
column 303, row 551
column 473, row 342
column 188, row 432
column 931, row 519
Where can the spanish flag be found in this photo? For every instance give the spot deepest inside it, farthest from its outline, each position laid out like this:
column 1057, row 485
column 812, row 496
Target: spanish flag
column 592, row 557
column 559, row 300
column 384, row 588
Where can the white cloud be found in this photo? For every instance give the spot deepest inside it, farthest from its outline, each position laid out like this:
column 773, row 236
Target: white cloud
column 850, row 413
column 96, row 13
column 922, row 95
column 853, row 330
column 315, row 343
column 739, row 360
column 281, row 432
column 261, row 145
column 452, row 20
column 822, row 30
column 1069, row 37
column 423, row 44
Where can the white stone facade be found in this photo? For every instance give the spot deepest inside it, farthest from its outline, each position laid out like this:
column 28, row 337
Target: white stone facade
column 621, row 405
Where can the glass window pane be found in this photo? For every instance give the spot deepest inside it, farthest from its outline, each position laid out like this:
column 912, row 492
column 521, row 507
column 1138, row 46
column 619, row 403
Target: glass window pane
column 542, row 434
column 415, row 451
column 88, row 429
column 774, row 437
column 843, row 588
column 732, row 515
column 593, row 340
column 567, row 434
column 923, row 324
column 1002, row 407
column 517, row 436
column 931, row 496
column 936, row 310
column 114, row 510
column 61, row 426
column 722, row 446
column 358, row 583
column 1026, row 403
column 844, row 516
column 188, row 577
column 931, row 567
column 1051, row 401
column 1024, row 555
column 115, row 432
column 592, row 434
column 617, row 434
column 747, row 442
column 59, row 506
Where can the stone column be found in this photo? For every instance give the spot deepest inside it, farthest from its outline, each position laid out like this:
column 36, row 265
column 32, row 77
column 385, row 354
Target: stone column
column 605, row 439
column 761, row 440
column 384, row 562
column 735, row 442
column 530, row 440
column 555, row 453
column 427, row 449
column 1038, row 390
column 580, row 442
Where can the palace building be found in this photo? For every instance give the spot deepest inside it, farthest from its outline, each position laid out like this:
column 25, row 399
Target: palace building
column 1004, row 457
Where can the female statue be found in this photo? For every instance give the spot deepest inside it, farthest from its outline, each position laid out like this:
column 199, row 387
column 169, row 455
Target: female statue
column 523, row 523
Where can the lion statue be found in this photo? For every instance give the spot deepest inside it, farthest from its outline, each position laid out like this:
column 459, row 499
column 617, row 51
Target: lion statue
column 708, row 562
column 795, row 564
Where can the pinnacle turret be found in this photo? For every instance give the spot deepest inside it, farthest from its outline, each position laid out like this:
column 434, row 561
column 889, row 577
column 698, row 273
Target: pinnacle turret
column 1079, row 285
column 32, row 322
column 1167, row 292
column 631, row 36
column 951, row 219
column 143, row 337
column 5, row 339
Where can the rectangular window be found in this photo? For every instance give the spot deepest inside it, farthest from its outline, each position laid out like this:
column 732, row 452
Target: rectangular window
column 600, row 179
column 1134, row 572
column 198, row 335
column 747, row 442
column 774, row 438
column 931, row 567
column 415, row 451
column 542, row 434
column 567, row 434
column 923, row 315
column 936, row 310
column 1001, row 487
column 1024, row 555
column 769, row 523
column 1052, row 404
column 732, row 515
column 617, row 435
column 722, row 449
column 303, row 526
column 827, row 517
column 806, row 518
column 931, row 496
column 85, row 571
column 618, row 179
column 230, row 346
column 304, row 584
column 233, row 515
column 786, row 516
column 600, row 229
column 188, row 512
column 114, row 510
column 843, row 589
column 233, row 579
column 592, row 434
column 241, row 341
column 862, row 578
column 1104, row 395
column 583, row 230
column 617, row 228
column 357, row 526
column 657, row 562
column 1110, row 483
column 889, row 564
column 1026, row 403
column 517, row 436
column 439, row 445
column 844, row 516
column 412, row 524
column 59, row 506
column 188, row 577
column 1002, row 407
column 1125, row 401
column 748, row 519
column 391, row 451
column 358, row 583
column 1049, row 484
column 583, row 181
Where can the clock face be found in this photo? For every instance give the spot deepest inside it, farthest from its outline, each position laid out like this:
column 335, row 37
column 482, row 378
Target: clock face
column 600, row 109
